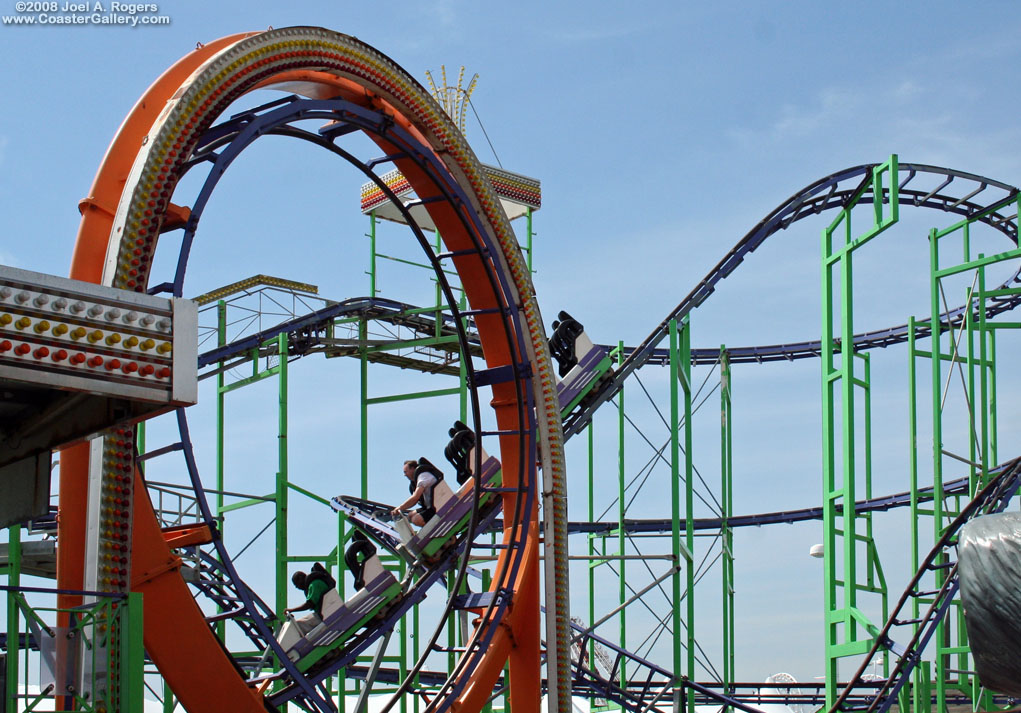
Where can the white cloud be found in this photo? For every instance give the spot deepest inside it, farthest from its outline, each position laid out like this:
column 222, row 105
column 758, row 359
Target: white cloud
column 445, row 13
column 578, row 35
column 840, row 108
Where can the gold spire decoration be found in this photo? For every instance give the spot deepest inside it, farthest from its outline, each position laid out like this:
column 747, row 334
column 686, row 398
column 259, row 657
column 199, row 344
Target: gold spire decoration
column 453, row 98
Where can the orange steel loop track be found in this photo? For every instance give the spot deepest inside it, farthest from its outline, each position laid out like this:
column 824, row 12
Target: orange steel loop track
column 122, row 218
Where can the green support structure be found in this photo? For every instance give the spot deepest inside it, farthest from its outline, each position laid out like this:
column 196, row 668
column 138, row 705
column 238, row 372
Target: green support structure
column 132, row 657
column 684, row 364
column 727, row 508
column 675, row 510
column 282, row 482
column 848, row 631
column 13, row 619
column 221, row 340
column 591, row 539
column 409, row 637
column 963, row 360
column 680, row 399
column 621, row 514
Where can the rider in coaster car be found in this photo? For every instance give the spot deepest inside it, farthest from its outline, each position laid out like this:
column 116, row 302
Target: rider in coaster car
column 561, row 345
column 315, row 585
column 423, row 477
column 462, row 440
column 357, row 553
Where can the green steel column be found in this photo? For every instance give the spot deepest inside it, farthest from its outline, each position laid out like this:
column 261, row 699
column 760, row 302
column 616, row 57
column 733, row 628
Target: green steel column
column 13, row 620
column 727, row 506
column 438, row 315
column 689, row 500
column 528, row 239
column 221, row 340
column 451, row 626
column 982, row 408
column 621, row 513
column 675, row 510
column 848, row 469
column 372, row 254
column 363, row 335
column 416, row 653
column 592, row 549
column 940, row 637
column 830, row 491
column 875, row 577
column 848, row 632
column 282, row 481
column 915, row 511
column 402, row 631
column 463, row 366
column 132, row 658
column 168, row 699
column 993, row 435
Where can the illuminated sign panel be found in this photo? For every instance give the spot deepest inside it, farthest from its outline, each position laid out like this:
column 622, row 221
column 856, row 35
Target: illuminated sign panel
column 76, row 358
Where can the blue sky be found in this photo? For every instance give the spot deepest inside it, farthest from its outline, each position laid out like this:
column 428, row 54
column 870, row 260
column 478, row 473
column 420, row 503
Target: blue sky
column 661, row 131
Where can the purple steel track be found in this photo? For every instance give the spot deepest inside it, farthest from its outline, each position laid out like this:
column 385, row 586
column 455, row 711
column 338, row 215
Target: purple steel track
column 828, row 193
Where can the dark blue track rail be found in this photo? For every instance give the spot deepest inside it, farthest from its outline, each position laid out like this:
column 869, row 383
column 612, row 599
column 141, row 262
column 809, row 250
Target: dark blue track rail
column 316, row 321
column 994, row 497
column 829, row 193
column 369, row 308
column 221, row 145
column 784, row 517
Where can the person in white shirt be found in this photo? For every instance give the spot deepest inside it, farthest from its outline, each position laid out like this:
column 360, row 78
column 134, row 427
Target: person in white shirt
column 423, row 478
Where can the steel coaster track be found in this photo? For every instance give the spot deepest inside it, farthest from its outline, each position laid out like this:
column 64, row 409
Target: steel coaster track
column 635, row 697
column 786, row 517
column 220, row 147
column 829, row 193
column 427, row 577
column 381, row 127
column 650, row 691
column 307, row 332
column 362, row 512
column 994, row 497
column 480, row 241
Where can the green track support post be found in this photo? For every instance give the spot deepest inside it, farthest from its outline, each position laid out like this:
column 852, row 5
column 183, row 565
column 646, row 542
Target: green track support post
column 621, row 514
column 955, row 344
column 680, row 381
column 591, row 538
column 372, row 254
column 132, row 658
column 875, row 579
column 915, row 509
column 675, row 510
column 13, row 619
column 363, row 360
column 684, row 368
column 848, row 631
column 727, row 507
column 438, row 314
column 221, row 340
column 168, row 699
column 528, row 239
column 282, row 488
